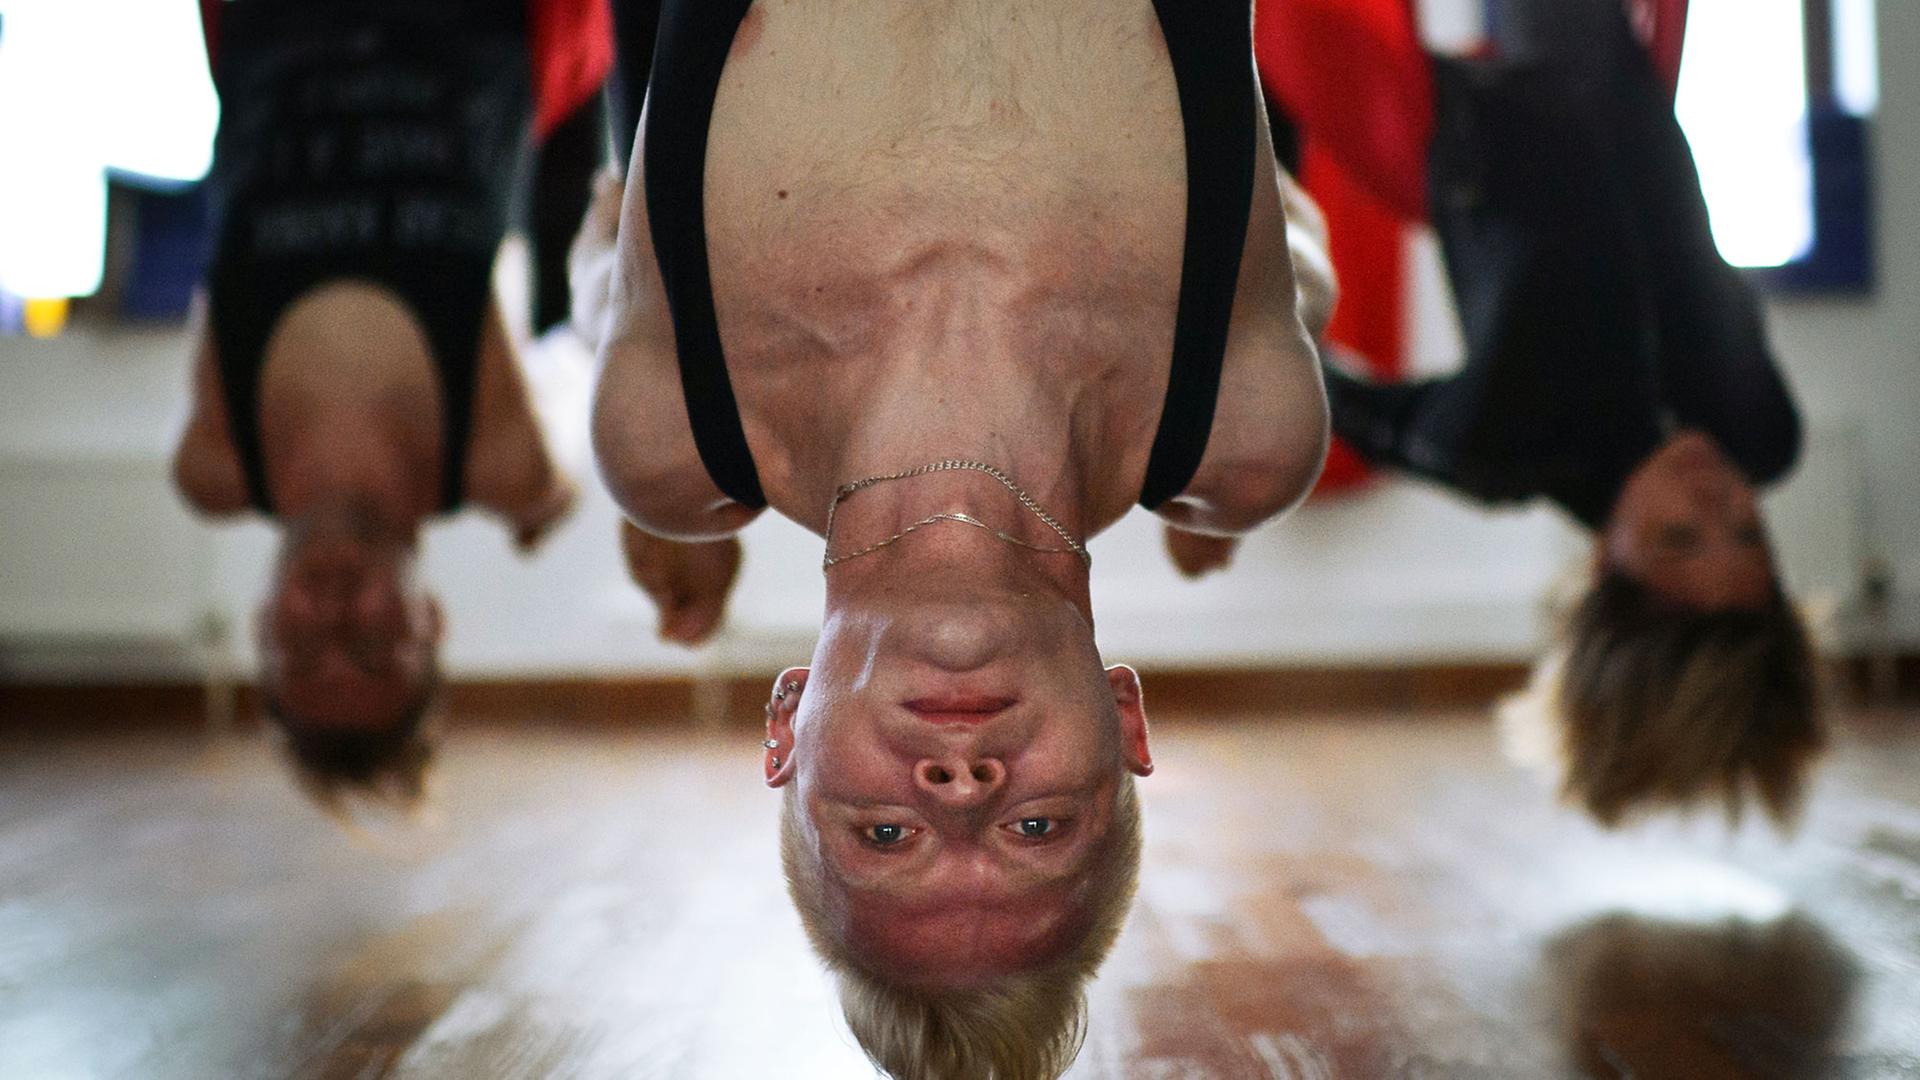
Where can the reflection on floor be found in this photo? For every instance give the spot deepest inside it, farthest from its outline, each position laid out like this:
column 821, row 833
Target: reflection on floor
column 1367, row 897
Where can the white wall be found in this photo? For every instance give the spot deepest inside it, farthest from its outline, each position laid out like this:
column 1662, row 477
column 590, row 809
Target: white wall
column 97, row 551
column 95, row 554
column 1856, row 363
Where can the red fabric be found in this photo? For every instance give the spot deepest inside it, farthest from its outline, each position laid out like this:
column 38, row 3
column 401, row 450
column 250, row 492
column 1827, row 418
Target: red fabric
column 1662, row 25
column 210, row 27
column 571, row 43
column 1367, row 243
column 1352, row 75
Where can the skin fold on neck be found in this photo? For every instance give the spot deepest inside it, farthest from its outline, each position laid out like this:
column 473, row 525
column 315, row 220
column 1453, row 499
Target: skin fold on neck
column 951, row 563
column 1051, row 440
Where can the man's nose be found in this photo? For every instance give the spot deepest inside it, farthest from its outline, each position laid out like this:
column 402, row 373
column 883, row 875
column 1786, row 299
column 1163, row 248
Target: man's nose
column 959, row 781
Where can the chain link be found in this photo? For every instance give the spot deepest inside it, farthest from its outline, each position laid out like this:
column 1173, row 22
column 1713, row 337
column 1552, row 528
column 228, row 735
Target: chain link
column 1073, row 547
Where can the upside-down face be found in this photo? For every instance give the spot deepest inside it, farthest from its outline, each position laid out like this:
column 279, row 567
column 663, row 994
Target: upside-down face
column 1687, row 525
column 957, row 767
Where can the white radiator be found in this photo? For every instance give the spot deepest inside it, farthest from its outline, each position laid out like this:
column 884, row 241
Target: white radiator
column 99, row 558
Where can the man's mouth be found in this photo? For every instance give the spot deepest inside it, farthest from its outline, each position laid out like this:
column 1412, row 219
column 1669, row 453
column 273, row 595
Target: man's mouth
column 958, row 708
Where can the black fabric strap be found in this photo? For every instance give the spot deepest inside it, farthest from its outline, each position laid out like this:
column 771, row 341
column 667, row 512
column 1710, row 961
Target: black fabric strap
column 1210, row 44
column 245, row 308
column 694, row 39
column 635, row 24
column 560, row 189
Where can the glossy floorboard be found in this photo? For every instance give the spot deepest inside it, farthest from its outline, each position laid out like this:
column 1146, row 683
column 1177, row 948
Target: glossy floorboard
column 1364, row 897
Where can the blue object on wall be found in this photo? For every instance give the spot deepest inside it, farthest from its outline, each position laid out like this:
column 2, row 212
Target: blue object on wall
column 13, row 315
column 1841, row 259
column 169, row 254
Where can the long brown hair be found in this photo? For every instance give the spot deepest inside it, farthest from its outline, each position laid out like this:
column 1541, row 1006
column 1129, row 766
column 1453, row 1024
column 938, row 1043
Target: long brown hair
column 1662, row 706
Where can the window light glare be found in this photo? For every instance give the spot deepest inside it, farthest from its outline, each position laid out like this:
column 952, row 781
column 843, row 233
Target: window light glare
column 1742, row 102
column 123, row 81
column 1856, row 60
column 154, row 98
column 87, row 86
column 53, row 228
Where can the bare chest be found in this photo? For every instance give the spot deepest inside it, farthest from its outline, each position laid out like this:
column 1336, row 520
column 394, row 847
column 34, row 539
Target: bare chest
column 891, row 183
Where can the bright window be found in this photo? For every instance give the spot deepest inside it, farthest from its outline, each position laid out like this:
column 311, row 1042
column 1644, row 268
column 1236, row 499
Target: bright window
column 1744, row 102
column 88, row 87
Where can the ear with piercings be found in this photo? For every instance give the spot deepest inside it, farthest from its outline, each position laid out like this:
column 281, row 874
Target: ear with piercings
column 779, row 741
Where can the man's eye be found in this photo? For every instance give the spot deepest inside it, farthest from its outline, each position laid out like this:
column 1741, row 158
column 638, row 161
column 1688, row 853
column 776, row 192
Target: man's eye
column 884, row 835
column 1038, row 828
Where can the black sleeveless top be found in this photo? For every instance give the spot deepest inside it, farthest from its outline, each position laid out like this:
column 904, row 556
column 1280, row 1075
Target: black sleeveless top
column 1209, row 43
column 370, row 141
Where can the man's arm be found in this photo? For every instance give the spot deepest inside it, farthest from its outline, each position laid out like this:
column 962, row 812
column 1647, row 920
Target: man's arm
column 511, row 470
column 206, row 467
column 642, row 437
column 689, row 581
column 1269, row 433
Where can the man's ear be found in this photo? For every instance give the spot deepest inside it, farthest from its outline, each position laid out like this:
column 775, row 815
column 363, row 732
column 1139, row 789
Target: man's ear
column 782, row 703
column 1125, row 683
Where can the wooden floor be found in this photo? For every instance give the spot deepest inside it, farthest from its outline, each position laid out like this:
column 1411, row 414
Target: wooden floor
column 1367, row 897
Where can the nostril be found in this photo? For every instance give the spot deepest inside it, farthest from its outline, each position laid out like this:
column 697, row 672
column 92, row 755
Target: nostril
column 982, row 774
column 937, row 775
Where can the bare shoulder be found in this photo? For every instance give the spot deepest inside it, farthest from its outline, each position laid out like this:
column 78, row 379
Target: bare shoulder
column 642, row 439
column 1269, row 434
column 206, row 465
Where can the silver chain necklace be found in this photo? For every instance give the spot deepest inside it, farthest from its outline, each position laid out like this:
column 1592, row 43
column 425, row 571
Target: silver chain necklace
column 1073, row 547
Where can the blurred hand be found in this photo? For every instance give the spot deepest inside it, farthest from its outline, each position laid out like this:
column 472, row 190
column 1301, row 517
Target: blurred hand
column 1196, row 554
column 688, row 583
column 536, row 521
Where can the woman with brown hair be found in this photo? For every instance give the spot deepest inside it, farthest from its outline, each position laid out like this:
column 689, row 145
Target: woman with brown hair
column 1617, row 367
